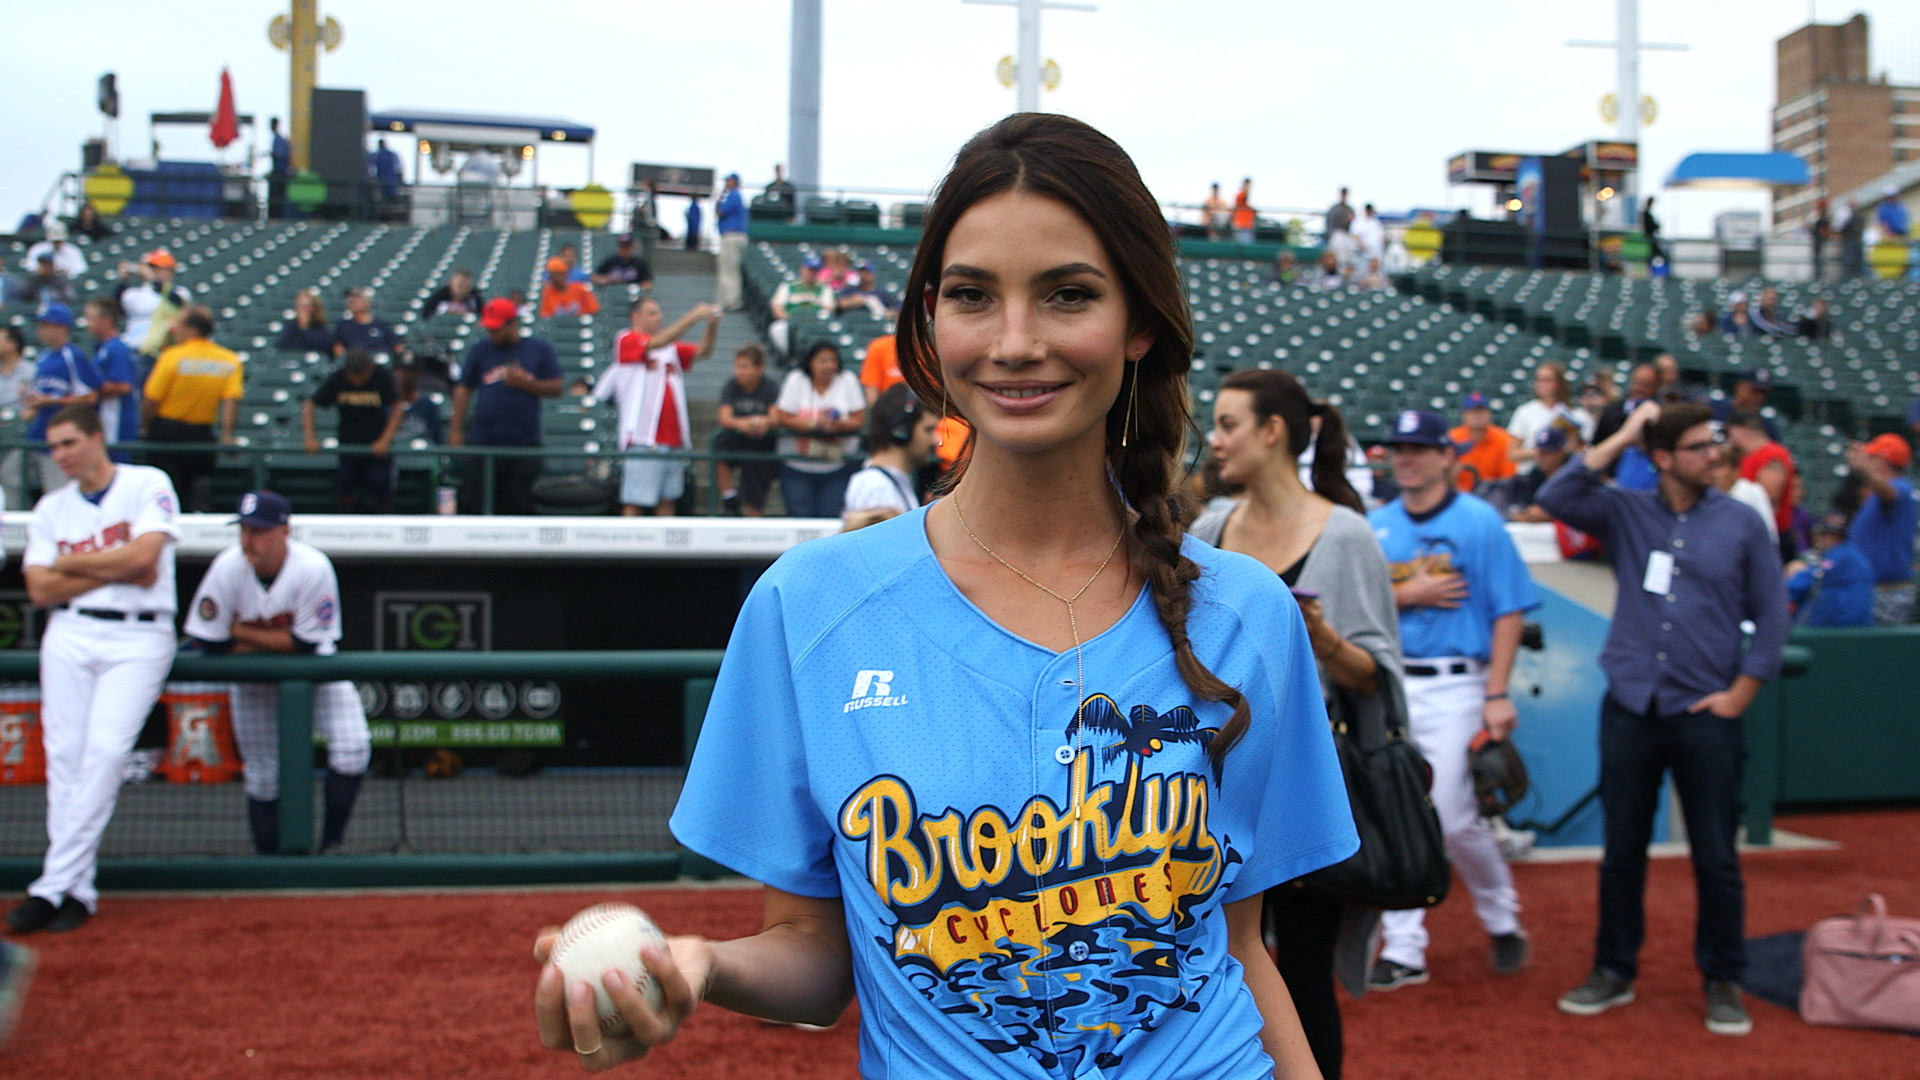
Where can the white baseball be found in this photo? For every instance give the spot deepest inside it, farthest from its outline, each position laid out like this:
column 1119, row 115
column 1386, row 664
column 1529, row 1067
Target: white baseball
column 608, row 937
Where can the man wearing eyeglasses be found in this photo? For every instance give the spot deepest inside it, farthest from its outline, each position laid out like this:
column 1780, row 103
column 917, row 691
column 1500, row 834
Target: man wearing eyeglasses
column 1692, row 565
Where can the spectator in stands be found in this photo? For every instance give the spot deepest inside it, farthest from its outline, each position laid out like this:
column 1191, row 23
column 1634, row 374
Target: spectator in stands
column 1816, row 322
column 570, row 255
column 1551, row 446
column 802, row 299
column 370, row 414
column 1702, row 324
column 1890, row 215
column 503, row 379
column 419, row 414
column 693, row 224
column 561, row 295
column 1671, row 388
column 1370, row 233
column 820, row 412
column 45, row 284
column 1692, row 566
column 1737, row 320
column 1818, row 233
column 16, row 387
column 194, row 383
column 880, row 371
column 1329, row 277
column 1650, row 228
column 1632, row 469
column 730, row 218
column 1552, row 401
column 1832, row 585
column 362, row 330
column 866, row 292
column 1851, row 226
column 151, row 300
column 120, row 377
column 1596, row 396
column 308, row 332
column 1285, row 269
column 69, row 260
column 1728, row 479
column 1339, row 218
column 63, row 376
column 1767, row 463
column 746, row 426
column 1216, row 213
column 623, row 267
column 1243, row 215
column 457, row 297
column 1884, row 526
column 90, row 224
column 383, row 168
column 279, row 170
column 647, row 384
column 1483, row 451
column 780, row 193
column 1311, row 530
column 838, row 273
column 899, row 441
column 1749, row 395
column 1767, row 317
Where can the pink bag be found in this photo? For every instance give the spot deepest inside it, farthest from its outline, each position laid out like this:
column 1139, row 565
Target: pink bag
column 1863, row 970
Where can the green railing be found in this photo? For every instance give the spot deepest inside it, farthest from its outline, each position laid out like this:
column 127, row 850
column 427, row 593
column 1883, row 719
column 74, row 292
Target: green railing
column 297, row 676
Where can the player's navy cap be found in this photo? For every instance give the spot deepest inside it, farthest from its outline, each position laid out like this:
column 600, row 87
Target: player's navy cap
column 814, row 262
column 1418, row 427
column 1831, row 522
column 264, row 509
column 1551, row 437
column 56, row 313
column 1474, row 400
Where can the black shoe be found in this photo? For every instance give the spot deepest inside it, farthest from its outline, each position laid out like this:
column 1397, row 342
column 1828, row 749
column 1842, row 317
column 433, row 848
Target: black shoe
column 1726, row 1013
column 1603, row 990
column 1511, row 953
column 1388, row 975
column 72, row 916
column 34, row 913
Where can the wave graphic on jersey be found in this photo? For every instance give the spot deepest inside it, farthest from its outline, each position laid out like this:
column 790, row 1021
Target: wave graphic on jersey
column 1056, row 930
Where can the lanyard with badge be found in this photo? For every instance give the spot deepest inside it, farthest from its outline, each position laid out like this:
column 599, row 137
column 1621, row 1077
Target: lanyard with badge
column 1659, row 579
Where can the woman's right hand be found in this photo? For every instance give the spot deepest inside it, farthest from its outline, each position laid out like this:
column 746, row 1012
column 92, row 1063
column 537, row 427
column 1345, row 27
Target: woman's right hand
column 567, row 1017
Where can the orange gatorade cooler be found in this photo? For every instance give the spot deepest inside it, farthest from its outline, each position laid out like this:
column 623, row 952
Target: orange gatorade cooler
column 23, row 760
column 200, row 746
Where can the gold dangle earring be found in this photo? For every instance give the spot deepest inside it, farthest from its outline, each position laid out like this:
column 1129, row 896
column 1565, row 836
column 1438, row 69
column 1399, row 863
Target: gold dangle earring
column 1133, row 398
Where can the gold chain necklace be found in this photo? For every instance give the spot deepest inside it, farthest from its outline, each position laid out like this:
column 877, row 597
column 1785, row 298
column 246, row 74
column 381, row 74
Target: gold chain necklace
column 1073, row 623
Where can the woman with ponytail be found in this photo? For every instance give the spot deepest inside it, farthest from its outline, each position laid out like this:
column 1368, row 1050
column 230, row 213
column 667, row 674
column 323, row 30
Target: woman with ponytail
column 1319, row 543
column 1019, row 765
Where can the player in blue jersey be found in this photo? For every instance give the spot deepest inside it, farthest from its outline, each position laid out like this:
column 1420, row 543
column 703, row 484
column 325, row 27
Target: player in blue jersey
column 1015, row 767
column 1462, row 590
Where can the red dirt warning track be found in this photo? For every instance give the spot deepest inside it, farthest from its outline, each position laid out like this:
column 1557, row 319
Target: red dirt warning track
column 415, row 987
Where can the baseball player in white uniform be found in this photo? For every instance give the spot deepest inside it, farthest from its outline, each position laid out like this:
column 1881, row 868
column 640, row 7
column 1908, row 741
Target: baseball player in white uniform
column 100, row 553
column 272, row 593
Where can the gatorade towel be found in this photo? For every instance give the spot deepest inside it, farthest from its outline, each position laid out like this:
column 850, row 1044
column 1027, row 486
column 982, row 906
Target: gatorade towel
column 200, row 747
column 23, row 760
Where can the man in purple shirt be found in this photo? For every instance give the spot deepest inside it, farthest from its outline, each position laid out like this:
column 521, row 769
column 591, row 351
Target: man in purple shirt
column 1692, row 564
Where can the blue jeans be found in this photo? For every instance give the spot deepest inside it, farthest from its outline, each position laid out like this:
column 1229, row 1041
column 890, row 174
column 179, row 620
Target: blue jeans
column 814, row 494
column 1706, row 754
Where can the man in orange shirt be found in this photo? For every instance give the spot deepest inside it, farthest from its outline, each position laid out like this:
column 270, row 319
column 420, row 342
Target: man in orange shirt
column 881, row 369
column 1243, row 216
column 561, row 295
column 1481, row 448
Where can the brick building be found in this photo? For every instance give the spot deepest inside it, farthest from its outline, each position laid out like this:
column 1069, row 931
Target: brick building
column 1851, row 127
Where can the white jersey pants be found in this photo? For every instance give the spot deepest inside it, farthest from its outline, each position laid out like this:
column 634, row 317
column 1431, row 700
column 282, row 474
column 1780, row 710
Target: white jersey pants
column 337, row 714
column 1443, row 716
column 98, row 681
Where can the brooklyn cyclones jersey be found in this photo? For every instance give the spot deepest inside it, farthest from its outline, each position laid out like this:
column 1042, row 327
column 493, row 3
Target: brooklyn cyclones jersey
column 1468, row 538
column 1026, row 895
column 304, row 598
column 138, row 500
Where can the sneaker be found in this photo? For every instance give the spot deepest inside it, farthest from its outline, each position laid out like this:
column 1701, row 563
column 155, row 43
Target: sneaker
column 1726, row 1013
column 72, row 916
column 1388, row 975
column 34, row 913
column 16, row 970
column 1603, row 990
column 1511, row 953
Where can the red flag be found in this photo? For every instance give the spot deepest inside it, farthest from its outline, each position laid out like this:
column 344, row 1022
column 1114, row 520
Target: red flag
column 226, row 122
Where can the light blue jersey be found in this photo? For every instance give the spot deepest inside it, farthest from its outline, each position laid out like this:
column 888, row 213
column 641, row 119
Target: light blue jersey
column 1023, row 899
column 1468, row 538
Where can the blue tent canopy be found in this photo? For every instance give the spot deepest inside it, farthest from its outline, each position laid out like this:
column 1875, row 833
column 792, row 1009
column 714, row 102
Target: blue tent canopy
column 1739, row 171
column 480, row 127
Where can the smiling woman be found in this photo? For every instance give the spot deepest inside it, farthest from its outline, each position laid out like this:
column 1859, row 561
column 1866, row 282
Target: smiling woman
column 979, row 752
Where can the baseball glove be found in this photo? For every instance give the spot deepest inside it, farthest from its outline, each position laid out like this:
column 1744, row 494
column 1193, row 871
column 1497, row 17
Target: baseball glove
column 1499, row 776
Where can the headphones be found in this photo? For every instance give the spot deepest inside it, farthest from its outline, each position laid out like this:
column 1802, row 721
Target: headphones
column 901, row 430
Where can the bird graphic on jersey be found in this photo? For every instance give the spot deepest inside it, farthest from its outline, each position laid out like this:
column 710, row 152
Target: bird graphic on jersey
column 1057, row 929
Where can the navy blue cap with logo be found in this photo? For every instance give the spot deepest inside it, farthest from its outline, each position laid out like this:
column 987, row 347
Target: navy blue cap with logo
column 264, row 509
column 1418, row 427
column 1551, row 437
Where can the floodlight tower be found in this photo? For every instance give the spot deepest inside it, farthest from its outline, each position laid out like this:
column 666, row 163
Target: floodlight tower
column 300, row 33
column 1027, row 63
column 803, row 101
column 1628, row 103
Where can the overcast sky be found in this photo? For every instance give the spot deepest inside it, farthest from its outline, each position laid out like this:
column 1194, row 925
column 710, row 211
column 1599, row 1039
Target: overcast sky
column 1373, row 94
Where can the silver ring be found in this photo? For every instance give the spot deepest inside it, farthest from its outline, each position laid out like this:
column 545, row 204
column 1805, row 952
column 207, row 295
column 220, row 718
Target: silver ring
column 589, row 1053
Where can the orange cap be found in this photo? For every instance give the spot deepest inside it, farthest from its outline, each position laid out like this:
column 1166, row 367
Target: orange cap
column 1891, row 449
column 159, row 257
column 557, row 266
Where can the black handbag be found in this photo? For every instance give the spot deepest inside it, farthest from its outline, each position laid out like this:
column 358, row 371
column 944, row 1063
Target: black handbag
column 1402, row 861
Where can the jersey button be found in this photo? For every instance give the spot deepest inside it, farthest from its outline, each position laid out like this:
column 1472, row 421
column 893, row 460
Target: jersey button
column 1064, row 755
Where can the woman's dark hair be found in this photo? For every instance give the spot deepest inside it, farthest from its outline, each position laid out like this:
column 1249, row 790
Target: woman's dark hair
column 15, row 335
column 1564, row 396
column 1066, row 160
column 816, row 349
column 891, row 420
column 1276, row 393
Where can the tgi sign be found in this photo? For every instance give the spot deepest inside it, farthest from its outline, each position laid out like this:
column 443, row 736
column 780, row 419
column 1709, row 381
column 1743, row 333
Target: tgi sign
column 434, row 621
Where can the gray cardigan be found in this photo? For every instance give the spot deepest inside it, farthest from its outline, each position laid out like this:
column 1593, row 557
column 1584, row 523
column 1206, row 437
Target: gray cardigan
column 1346, row 567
